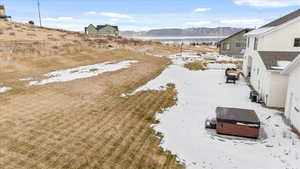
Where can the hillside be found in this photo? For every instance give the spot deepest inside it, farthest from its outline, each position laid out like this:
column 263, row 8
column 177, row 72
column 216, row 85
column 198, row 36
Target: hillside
column 61, row 104
column 77, row 122
column 220, row 31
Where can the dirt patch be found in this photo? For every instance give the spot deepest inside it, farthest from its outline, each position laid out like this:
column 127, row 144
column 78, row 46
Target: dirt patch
column 196, row 66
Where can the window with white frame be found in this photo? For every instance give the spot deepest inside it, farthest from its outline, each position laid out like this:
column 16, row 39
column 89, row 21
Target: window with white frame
column 297, row 42
column 255, row 43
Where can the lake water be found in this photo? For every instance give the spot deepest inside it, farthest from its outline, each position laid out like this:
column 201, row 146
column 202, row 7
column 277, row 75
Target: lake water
column 185, row 40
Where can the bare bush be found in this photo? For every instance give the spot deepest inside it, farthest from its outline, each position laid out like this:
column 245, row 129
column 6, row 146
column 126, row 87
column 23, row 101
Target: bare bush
column 198, row 65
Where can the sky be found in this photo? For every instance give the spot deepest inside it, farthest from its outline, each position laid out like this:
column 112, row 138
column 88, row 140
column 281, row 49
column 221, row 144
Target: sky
column 140, row 15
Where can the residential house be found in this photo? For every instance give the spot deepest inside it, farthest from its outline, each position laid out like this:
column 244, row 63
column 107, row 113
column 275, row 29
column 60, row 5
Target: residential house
column 102, row 30
column 269, row 50
column 234, row 45
column 3, row 14
column 292, row 108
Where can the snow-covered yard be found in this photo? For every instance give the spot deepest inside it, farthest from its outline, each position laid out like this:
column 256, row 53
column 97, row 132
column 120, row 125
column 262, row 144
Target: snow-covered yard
column 199, row 93
column 80, row 72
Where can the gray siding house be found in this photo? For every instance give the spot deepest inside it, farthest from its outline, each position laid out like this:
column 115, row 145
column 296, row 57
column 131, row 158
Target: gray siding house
column 102, row 30
column 234, row 45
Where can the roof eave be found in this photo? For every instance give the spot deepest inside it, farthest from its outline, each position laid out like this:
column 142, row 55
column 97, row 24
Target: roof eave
column 234, row 34
column 272, row 30
column 280, row 27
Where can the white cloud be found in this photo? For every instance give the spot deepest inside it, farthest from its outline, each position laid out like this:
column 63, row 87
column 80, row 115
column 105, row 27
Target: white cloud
column 201, row 10
column 115, row 15
column 241, row 21
column 91, row 13
column 109, row 14
column 58, row 19
column 198, row 23
column 268, row 3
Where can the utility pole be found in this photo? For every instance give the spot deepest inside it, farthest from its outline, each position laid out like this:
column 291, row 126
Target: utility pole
column 181, row 47
column 38, row 4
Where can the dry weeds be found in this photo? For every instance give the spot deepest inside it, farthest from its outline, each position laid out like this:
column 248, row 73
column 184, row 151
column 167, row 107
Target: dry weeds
column 195, row 66
column 86, row 124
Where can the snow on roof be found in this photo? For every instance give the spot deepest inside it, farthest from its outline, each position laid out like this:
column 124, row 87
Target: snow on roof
column 277, row 60
column 281, row 64
column 290, row 67
column 277, row 67
column 260, row 31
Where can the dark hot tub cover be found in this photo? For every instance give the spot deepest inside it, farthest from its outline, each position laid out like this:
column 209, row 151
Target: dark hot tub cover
column 235, row 115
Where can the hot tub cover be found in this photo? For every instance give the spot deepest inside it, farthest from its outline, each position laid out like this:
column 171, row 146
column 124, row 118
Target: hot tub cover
column 236, row 115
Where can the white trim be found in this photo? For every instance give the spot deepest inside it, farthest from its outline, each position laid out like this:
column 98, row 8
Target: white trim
column 259, row 31
column 272, row 29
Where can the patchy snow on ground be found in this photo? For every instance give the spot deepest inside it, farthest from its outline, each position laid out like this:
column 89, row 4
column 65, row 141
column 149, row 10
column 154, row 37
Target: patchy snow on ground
column 26, row 79
column 187, row 57
column 4, row 89
column 82, row 72
column 220, row 66
column 199, row 93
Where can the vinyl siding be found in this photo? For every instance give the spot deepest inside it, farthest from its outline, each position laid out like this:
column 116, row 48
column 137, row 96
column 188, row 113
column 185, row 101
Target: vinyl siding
column 293, row 98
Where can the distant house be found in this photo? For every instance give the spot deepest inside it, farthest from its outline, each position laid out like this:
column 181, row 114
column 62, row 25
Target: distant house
column 269, row 50
column 3, row 14
column 102, row 30
column 292, row 107
column 235, row 44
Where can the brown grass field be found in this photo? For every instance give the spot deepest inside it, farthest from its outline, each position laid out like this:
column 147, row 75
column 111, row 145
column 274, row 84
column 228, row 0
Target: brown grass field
column 81, row 124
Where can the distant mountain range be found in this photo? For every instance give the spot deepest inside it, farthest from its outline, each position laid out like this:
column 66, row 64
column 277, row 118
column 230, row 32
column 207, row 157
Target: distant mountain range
column 220, row 31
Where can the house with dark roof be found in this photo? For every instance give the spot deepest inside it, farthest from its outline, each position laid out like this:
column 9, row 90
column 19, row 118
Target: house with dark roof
column 3, row 15
column 234, row 45
column 102, row 30
column 269, row 50
column 292, row 106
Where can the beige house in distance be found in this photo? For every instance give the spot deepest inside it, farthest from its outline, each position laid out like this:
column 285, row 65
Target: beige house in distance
column 102, row 30
column 3, row 13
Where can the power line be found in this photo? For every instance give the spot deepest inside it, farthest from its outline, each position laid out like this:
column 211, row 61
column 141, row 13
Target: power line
column 38, row 4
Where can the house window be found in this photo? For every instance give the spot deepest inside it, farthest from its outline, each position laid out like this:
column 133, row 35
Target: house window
column 297, row 42
column 227, row 46
column 238, row 45
column 224, row 46
column 258, row 71
column 255, row 43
